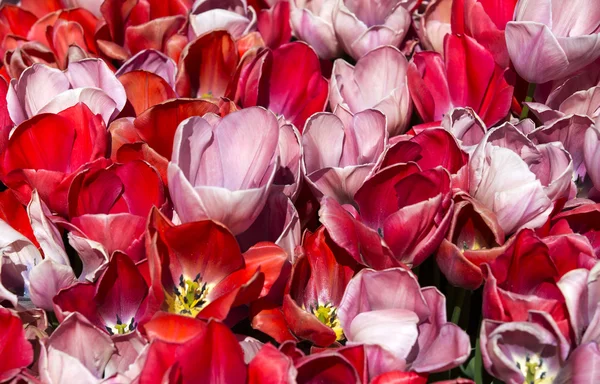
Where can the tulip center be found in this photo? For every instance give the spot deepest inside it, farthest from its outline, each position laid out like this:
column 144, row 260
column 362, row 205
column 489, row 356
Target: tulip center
column 121, row 328
column 189, row 296
column 534, row 371
column 474, row 247
column 327, row 314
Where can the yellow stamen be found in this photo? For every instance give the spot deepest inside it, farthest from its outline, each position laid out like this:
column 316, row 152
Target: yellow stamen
column 327, row 314
column 533, row 370
column 188, row 298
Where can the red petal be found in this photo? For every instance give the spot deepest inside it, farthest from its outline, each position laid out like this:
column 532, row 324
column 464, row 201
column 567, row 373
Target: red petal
column 173, row 328
column 157, row 125
column 145, row 90
column 270, row 366
column 207, row 65
column 274, row 24
column 153, row 34
column 16, row 352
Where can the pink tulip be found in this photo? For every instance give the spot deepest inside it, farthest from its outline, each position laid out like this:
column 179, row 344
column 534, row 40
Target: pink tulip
column 524, row 352
column 377, row 81
column 341, row 149
column 567, row 121
column 232, row 15
column 312, row 22
column 582, row 366
column 362, row 25
column 581, row 289
column 77, row 351
column 465, row 126
column 518, row 180
column 402, row 325
column 25, row 271
column 552, row 39
column 434, row 25
column 42, row 89
column 591, row 154
column 223, row 169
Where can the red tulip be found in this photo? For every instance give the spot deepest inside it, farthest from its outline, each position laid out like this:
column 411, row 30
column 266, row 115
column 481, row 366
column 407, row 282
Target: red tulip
column 474, row 238
column 110, row 205
column 466, row 76
column 316, row 287
column 72, row 140
column 197, row 268
column 485, row 21
column 16, row 352
column 190, row 351
column 525, row 277
column 409, row 208
column 584, row 219
column 286, row 80
column 117, row 302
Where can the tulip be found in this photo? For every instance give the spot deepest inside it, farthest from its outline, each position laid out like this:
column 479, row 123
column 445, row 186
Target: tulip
column 591, row 154
column 560, row 38
column 391, row 314
column 392, row 204
column 199, row 352
column 288, row 178
column 197, row 268
column 77, row 351
column 485, row 21
column 116, row 302
column 341, row 149
column 75, row 138
column 377, row 81
column 474, row 238
column 42, row 89
column 332, row 366
column 152, row 61
column 568, row 122
column 429, row 149
column 26, row 274
column 438, row 84
column 582, row 366
column 523, row 352
column 68, row 35
column 537, row 175
column 312, row 21
column 207, row 65
column 278, row 222
column 111, row 205
column 232, row 15
column 286, row 80
column 525, row 277
column 581, row 289
column 362, row 27
column 230, row 177
column 434, row 24
column 17, row 352
column 274, row 24
column 583, row 220
column 316, row 287
column 142, row 25
column 268, row 363
column 466, row 127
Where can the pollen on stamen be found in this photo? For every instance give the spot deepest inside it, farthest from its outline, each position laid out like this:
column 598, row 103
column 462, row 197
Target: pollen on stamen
column 190, row 298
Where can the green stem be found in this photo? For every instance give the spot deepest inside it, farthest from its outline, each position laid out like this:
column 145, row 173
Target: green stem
column 478, row 364
column 458, row 304
column 528, row 98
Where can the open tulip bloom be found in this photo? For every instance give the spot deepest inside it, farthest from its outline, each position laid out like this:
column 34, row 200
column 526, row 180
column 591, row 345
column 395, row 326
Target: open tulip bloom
column 299, row 191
